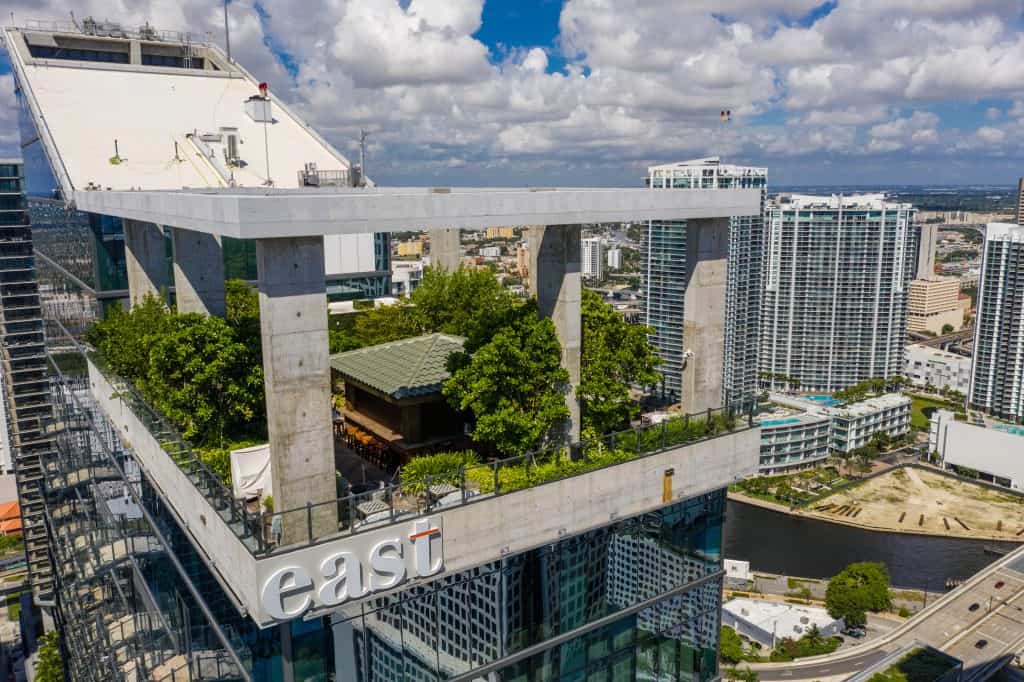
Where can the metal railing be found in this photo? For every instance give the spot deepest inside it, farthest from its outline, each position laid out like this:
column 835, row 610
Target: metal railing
column 270, row 532
column 110, row 29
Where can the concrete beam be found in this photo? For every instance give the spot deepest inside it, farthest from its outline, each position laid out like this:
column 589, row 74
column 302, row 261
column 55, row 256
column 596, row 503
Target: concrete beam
column 707, row 250
column 146, row 256
column 555, row 279
column 198, row 272
column 262, row 213
column 444, row 248
column 293, row 322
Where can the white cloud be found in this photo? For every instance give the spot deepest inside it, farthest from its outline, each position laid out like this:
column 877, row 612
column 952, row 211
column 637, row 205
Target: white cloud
column 645, row 78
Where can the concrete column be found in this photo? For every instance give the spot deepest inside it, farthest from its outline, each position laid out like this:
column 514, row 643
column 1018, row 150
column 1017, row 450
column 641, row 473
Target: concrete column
column 444, row 248
column 555, row 255
column 198, row 272
column 707, row 250
column 926, row 251
column 293, row 322
column 146, row 257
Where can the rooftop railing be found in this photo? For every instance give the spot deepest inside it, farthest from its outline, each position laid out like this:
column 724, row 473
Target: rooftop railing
column 398, row 502
column 112, row 29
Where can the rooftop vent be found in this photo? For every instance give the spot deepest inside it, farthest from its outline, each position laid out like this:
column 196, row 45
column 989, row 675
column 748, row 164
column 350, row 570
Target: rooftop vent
column 258, row 106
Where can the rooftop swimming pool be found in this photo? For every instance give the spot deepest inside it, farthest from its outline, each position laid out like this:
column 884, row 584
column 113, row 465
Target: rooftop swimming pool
column 1010, row 428
column 780, row 422
column 825, row 400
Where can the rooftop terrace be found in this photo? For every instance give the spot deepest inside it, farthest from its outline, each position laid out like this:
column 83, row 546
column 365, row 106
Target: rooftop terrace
column 548, row 493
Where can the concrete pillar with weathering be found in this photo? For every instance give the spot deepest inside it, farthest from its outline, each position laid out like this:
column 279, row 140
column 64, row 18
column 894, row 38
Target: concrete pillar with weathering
column 555, row 255
column 198, row 272
column 444, row 248
column 707, row 250
column 293, row 322
column 146, row 258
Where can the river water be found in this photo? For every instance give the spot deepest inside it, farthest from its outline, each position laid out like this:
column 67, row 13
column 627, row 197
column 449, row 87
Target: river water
column 774, row 542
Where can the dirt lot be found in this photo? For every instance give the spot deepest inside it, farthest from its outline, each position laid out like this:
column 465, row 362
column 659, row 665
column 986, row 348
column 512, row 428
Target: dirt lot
column 924, row 502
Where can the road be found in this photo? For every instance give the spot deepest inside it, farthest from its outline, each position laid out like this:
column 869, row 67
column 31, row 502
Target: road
column 981, row 623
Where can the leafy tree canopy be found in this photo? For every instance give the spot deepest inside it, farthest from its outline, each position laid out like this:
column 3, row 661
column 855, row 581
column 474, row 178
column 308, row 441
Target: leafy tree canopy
column 514, row 385
column 49, row 667
column 857, row 589
column 616, row 355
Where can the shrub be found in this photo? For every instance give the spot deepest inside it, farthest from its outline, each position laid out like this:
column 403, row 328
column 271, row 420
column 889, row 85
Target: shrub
column 444, row 467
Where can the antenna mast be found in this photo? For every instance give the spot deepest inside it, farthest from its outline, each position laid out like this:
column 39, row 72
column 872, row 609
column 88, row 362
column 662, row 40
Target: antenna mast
column 362, row 157
column 227, row 32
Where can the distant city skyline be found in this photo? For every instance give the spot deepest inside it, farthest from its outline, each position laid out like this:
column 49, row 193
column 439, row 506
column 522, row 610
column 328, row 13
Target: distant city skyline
column 580, row 92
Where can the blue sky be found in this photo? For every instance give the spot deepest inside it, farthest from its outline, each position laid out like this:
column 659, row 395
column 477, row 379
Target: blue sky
column 573, row 92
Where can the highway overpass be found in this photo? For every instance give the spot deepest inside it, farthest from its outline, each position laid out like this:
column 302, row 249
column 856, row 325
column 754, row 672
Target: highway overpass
column 988, row 608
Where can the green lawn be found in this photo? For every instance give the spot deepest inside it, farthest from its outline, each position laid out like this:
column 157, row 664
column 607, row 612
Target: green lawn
column 918, row 419
column 13, row 607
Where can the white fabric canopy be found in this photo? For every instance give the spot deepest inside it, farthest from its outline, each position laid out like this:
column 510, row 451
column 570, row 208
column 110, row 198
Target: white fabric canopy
column 250, row 471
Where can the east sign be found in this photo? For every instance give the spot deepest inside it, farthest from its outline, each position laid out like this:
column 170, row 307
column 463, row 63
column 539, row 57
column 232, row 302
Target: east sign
column 359, row 569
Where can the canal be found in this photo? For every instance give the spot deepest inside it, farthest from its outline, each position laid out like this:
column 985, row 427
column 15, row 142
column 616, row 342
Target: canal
column 774, row 542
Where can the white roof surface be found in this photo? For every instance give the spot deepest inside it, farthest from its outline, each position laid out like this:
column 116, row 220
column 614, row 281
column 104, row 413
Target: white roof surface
column 88, row 106
column 836, row 201
column 786, row 620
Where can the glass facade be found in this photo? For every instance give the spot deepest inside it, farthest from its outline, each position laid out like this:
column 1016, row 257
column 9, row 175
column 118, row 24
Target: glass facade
column 666, row 272
column 997, row 374
column 637, row 600
column 836, row 291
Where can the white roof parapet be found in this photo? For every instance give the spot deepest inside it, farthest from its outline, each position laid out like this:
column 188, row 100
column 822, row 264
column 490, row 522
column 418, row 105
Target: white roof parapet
column 875, row 201
column 688, row 167
column 257, row 214
column 1005, row 232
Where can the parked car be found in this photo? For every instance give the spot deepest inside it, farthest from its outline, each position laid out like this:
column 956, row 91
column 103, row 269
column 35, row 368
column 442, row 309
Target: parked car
column 981, row 644
column 974, row 607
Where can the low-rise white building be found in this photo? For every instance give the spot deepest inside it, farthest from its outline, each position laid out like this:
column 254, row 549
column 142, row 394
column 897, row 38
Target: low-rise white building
column 926, row 365
column 405, row 276
column 792, row 440
column 851, row 426
column 768, row 622
column 854, row 425
column 996, row 451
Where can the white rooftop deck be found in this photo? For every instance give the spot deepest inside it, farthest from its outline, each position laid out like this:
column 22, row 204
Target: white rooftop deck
column 82, row 107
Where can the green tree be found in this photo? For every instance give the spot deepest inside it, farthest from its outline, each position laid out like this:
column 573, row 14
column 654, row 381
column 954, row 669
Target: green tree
column 731, row 646
column 514, row 385
column 241, row 301
column 857, row 589
column 124, row 338
column 388, row 323
column 49, row 667
column 205, row 380
column 615, row 355
column 465, row 302
column 948, row 329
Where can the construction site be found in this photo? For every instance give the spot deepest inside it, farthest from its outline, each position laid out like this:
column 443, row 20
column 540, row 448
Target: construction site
column 916, row 500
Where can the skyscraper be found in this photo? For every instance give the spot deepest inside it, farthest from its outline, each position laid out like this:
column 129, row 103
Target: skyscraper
column 836, row 290
column 1019, row 213
column 196, row 580
column 997, row 374
column 702, row 289
column 592, row 264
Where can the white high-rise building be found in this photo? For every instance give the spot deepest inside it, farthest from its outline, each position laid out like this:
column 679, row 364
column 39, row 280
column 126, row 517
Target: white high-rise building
column 997, row 378
column 836, row 287
column 592, row 265
column 702, row 288
column 615, row 259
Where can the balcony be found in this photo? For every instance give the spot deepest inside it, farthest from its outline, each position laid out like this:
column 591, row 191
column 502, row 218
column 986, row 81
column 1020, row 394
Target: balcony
column 483, row 511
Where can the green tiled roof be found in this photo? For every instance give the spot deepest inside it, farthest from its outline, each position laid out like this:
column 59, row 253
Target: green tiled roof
column 401, row 369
